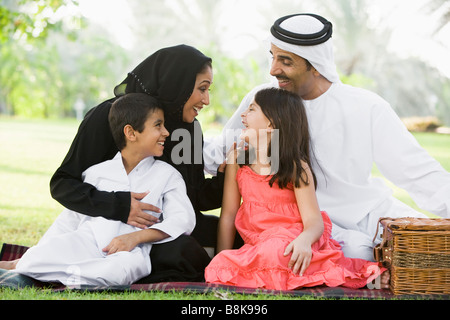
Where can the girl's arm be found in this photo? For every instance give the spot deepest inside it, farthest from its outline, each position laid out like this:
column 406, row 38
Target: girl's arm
column 230, row 205
column 312, row 225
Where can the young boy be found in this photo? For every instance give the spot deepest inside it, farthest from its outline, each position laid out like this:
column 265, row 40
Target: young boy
column 83, row 250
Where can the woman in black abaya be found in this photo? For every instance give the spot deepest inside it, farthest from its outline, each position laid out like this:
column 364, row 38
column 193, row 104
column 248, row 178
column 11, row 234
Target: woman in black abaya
column 170, row 75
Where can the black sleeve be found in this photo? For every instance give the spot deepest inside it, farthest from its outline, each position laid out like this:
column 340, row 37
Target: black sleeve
column 92, row 144
column 210, row 195
column 205, row 193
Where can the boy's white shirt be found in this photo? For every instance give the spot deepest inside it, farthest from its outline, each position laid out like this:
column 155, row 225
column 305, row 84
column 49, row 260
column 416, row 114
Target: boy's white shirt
column 71, row 249
column 166, row 187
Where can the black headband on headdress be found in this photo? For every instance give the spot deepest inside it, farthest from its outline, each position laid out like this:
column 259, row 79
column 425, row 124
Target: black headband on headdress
column 302, row 39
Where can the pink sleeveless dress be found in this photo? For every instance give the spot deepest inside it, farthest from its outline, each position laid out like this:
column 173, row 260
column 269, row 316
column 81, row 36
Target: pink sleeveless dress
column 268, row 220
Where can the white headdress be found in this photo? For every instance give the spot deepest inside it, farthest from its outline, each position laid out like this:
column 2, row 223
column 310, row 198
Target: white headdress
column 309, row 37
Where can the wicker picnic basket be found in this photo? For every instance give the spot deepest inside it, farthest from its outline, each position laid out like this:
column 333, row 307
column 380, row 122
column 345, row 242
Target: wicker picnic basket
column 417, row 252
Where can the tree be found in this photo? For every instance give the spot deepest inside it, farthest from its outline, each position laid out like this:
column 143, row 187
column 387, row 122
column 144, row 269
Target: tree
column 39, row 62
column 202, row 24
column 44, row 70
column 27, row 62
column 29, row 20
column 412, row 86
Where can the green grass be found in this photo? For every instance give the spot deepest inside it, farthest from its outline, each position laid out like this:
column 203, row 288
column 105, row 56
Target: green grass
column 31, row 150
column 48, row 294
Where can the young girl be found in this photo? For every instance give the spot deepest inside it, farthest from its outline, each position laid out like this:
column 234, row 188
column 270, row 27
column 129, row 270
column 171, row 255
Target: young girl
column 287, row 239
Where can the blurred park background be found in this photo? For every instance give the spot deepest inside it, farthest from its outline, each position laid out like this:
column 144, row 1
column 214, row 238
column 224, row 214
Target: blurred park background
column 59, row 58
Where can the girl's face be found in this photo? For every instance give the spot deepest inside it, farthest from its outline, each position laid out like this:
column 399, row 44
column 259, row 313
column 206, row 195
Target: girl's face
column 256, row 125
column 199, row 97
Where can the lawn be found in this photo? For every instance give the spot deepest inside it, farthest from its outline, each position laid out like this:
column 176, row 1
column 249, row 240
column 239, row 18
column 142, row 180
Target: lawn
column 31, row 150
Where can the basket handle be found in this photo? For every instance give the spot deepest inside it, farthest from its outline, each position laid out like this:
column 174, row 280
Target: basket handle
column 382, row 252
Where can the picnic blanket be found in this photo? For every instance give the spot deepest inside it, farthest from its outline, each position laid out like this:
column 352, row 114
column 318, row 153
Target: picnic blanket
column 13, row 280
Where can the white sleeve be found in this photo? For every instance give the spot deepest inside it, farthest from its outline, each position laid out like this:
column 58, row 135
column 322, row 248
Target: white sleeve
column 178, row 213
column 215, row 148
column 403, row 161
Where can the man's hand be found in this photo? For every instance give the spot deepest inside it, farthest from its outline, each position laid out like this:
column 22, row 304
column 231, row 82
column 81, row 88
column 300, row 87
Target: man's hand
column 139, row 218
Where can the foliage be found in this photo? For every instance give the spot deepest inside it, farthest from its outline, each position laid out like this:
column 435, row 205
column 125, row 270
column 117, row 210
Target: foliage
column 200, row 24
column 233, row 79
column 46, row 79
column 411, row 86
column 44, row 71
column 32, row 20
column 48, row 62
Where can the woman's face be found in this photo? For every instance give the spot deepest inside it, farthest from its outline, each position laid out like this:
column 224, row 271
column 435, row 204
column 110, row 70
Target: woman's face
column 199, row 97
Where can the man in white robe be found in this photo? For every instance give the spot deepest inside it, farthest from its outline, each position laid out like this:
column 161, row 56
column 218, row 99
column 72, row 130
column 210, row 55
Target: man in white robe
column 351, row 129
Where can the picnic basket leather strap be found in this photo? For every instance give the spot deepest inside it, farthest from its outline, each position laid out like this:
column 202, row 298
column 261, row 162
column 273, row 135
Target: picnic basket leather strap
column 382, row 252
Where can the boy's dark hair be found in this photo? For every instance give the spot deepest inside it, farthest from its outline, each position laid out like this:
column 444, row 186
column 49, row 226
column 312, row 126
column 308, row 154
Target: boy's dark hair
column 286, row 112
column 132, row 109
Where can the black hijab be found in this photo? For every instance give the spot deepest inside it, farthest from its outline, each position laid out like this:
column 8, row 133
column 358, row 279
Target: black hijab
column 169, row 75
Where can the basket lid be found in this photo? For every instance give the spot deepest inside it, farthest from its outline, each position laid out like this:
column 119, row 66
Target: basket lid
column 420, row 224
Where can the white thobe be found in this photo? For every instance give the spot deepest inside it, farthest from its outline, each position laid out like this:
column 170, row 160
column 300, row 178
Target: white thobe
column 71, row 250
column 351, row 129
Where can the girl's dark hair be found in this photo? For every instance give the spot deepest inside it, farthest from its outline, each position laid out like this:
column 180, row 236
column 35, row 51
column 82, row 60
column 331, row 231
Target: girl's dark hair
column 132, row 109
column 286, row 113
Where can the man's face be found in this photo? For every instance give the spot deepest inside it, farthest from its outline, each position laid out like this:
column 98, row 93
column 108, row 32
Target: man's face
column 292, row 72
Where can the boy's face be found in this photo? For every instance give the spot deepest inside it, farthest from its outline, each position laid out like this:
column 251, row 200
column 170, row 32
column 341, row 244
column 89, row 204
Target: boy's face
column 151, row 139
